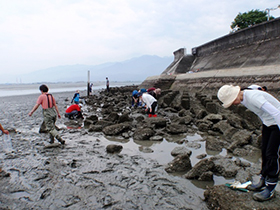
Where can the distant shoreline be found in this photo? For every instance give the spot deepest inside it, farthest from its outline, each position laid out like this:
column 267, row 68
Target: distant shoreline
column 27, row 89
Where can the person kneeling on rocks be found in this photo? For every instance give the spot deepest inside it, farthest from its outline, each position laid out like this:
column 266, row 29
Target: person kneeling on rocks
column 74, row 112
column 151, row 103
column 50, row 111
column 267, row 108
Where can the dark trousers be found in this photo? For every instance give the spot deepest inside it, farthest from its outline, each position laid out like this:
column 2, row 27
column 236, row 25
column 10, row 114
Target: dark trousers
column 270, row 152
column 154, row 105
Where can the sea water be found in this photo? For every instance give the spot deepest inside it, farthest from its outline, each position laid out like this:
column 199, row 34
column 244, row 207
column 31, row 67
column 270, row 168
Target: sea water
column 26, row 89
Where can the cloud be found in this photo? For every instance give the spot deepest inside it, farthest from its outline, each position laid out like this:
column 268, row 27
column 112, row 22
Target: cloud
column 39, row 34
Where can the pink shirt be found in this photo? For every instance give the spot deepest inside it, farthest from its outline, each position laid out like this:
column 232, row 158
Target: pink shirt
column 43, row 101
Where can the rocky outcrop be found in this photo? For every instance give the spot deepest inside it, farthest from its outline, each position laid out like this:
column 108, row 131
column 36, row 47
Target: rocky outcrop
column 236, row 130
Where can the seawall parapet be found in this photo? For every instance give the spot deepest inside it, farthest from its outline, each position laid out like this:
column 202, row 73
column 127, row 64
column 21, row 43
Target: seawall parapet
column 248, row 56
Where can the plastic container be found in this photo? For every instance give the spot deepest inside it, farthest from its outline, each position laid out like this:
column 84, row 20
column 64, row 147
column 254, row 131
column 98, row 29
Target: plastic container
column 7, row 143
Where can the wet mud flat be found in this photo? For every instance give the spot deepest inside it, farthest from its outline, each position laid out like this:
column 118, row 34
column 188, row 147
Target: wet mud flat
column 80, row 174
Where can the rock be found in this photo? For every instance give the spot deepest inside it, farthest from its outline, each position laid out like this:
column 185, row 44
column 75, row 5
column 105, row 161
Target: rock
column 181, row 163
column 112, row 148
column 214, row 144
column 124, row 118
column 181, row 151
column 247, row 151
column 186, row 120
column 156, row 138
column 143, row 134
column 215, row 118
column 104, row 123
column 201, row 156
column 240, row 139
column 95, row 128
column 201, row 167
column 222, row 197
column 243, row 175
column 146, row 149
column 175, row 128
column 212, row 107
column 204, row 125
column 157, row 122
column 116, row 129
column 224, row 166
column 194, row 145
column 206, row 176
column 221, row 126
column 113, row 117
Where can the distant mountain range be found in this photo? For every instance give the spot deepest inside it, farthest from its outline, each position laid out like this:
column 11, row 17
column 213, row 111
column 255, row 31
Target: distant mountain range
column 135, row 69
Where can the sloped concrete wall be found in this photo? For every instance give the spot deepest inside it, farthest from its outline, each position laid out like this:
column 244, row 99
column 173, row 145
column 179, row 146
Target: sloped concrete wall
column 255, row 46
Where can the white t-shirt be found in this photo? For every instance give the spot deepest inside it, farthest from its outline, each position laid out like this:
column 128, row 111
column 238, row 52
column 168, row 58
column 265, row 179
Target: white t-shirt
column 255, row 99
column 148, row 99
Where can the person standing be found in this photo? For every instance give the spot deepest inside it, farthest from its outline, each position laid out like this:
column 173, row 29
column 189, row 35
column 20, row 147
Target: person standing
column 107, row 84
column 267, row 108
column 3, row 130
column 50, row 112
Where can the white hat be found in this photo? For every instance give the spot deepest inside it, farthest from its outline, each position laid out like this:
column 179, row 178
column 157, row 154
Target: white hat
column 227, row 94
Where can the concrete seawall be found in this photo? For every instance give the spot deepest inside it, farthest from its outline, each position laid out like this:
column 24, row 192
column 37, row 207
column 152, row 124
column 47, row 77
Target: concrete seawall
column 249, row 56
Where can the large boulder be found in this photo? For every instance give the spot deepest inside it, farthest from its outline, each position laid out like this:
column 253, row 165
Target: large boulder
column 181, row 151
column 181, row 163
column 239, row 139
column 143, row 134
column 202, row 166
column 175, row 128
column 116, row 129
column 224, row 166
column 222, row 197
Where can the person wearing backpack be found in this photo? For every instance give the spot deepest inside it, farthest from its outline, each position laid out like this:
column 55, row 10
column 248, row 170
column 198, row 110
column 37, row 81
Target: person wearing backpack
column 50, row 112
column 76, row 97
column 267, row 108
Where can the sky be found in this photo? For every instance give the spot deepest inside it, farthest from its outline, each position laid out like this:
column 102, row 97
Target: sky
column 38, row 34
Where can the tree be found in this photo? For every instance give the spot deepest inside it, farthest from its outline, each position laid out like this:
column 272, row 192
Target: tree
column 249, row 19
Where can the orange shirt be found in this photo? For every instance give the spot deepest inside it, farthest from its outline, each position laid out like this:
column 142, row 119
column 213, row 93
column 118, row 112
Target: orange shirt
column 43, row 101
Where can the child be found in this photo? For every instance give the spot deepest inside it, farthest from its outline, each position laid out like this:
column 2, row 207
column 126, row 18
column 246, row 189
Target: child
column 76, row 97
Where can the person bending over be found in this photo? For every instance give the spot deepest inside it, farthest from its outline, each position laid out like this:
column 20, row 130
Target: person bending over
column 151, row 103
column 74, row 111
column 267, row 108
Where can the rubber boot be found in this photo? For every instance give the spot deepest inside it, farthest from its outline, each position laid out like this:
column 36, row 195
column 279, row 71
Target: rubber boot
column 150, row 115
column 154, row 115
column 52, row 139
column 266, row 194
column 257, row 187
column 60, row 139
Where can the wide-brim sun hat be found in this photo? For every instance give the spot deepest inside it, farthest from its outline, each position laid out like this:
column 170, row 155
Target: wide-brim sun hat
column 227, row 94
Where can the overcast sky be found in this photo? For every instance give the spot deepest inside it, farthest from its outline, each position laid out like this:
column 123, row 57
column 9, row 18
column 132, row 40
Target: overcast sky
column 35, row 34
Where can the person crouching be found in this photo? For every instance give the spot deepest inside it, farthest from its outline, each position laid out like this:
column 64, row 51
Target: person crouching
column 151, row 103
column 74, row 111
